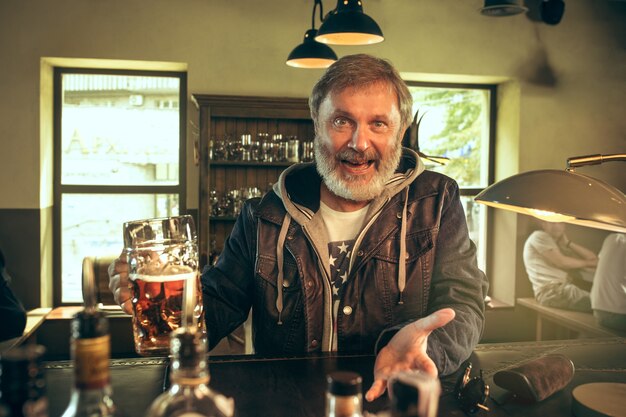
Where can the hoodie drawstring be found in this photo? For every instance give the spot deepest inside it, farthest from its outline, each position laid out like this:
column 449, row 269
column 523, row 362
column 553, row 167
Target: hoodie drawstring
column 403, row 255
column 279, row 261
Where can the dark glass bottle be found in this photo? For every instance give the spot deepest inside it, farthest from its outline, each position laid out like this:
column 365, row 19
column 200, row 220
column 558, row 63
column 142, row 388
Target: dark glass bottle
column 414, row 394
column 343, row 394
column 91, row 352
column 22, row 383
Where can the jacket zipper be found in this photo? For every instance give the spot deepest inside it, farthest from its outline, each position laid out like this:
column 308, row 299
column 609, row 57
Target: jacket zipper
column 327, row 292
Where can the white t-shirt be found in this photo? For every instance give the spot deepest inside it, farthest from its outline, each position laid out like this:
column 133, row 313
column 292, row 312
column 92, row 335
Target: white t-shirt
column 343, row 225
column 343, row 228
column 608, row 292
column 540, row 271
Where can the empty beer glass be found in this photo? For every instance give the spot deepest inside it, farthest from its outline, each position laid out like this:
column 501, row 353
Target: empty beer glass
column 163, row 280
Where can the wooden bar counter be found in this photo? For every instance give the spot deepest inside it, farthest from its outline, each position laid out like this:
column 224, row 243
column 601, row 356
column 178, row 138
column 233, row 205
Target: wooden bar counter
column 294, row 387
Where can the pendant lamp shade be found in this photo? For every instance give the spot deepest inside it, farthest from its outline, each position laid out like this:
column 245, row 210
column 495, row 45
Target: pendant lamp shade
column 499, row 8
column 311, row 54
column 560, row 196
column 348, row 25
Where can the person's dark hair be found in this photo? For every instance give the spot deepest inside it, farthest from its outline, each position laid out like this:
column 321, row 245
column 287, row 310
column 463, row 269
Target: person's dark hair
column 361, row 70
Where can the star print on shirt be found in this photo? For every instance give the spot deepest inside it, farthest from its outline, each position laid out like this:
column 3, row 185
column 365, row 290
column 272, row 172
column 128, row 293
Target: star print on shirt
column 339, row 261
column 343, row 247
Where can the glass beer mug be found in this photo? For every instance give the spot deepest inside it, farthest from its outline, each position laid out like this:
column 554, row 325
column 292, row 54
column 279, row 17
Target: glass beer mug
column 163, row 280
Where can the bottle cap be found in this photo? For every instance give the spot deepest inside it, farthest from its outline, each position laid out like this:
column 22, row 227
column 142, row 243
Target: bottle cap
column 344, row 383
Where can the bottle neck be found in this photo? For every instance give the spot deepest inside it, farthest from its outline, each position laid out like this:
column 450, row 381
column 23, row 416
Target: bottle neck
column 189, row 375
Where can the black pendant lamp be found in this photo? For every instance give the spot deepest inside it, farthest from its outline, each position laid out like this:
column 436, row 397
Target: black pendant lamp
column 348, row 25
column 500, row 8
column 310, row 53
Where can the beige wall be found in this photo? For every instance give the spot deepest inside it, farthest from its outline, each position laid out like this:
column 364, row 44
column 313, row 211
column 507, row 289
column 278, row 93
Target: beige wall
column 239, row 47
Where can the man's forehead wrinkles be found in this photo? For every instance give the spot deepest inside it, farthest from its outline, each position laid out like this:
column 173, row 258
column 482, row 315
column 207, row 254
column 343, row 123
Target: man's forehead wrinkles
column 350, row 114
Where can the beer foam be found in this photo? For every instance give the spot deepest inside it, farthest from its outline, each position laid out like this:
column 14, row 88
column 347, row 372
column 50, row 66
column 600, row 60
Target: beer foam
column 163, row 278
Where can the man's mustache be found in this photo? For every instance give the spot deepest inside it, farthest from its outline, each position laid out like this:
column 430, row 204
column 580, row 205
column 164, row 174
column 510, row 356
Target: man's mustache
column 356, row 157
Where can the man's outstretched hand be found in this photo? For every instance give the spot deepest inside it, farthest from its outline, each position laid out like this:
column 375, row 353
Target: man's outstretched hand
column 407, row 351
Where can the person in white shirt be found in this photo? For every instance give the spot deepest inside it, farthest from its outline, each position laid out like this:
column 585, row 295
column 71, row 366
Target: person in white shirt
column 550, row 257
column 608, row 293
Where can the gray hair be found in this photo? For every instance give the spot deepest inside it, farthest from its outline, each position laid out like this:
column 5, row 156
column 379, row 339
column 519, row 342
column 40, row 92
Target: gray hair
column 361, row 70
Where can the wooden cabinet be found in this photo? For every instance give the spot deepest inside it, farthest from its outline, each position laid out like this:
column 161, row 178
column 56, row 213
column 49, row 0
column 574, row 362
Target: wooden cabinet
column 233, row 116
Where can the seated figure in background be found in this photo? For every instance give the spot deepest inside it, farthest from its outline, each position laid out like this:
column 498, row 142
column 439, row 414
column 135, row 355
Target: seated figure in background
column 551, row 261
column 608, row 294
column 12, row 313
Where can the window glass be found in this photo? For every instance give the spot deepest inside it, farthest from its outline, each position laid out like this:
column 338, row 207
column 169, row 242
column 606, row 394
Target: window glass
column 118, row 158
column 92, row 226
column 476, row 215
column 455, row 124
column 120, row 129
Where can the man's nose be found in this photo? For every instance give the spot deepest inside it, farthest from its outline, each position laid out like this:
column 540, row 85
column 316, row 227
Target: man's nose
column 360, row 140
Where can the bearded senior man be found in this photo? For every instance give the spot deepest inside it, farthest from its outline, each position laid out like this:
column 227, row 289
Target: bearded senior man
column 362, row 249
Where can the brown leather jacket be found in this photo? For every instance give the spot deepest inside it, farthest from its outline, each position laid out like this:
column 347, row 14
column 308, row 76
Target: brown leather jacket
column 440, row 261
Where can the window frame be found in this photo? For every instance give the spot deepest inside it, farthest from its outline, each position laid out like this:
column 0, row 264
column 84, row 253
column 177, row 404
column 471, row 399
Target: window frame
column 473, row 191
column 60, row 189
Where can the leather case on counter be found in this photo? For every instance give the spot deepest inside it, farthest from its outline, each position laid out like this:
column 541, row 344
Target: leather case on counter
column 538, row 379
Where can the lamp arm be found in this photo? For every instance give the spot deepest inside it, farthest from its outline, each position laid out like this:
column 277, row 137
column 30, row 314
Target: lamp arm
column 579, row 161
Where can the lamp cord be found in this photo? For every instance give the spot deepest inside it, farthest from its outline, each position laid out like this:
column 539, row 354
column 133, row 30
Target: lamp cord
column 316, row 3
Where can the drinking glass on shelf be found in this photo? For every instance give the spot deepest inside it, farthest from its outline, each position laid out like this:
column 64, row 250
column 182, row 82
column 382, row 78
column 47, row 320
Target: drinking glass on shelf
column 235, row 149
column 246, row 147
column 214, row 203
column 265, row 147
column 278, row 148
column 251, row 192
column 219, row 151
column 236, row 201
column 163, row 280
column 307, row 151
column 293, row 154
column 255, row 151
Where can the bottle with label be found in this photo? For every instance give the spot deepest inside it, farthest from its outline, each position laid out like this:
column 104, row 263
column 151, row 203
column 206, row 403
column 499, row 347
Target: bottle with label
column 189, row 394
column 343, row 394
column 22, row 383
column 91, row 352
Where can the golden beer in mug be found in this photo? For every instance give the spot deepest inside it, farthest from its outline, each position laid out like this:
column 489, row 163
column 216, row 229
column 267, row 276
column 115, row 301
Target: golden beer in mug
column 163, row 280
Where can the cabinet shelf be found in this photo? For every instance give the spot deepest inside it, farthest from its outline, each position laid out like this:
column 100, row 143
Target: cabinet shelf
column 221, row 116
column 222, row 218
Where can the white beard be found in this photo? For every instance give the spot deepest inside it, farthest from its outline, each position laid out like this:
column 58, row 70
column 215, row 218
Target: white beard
column 351, row 187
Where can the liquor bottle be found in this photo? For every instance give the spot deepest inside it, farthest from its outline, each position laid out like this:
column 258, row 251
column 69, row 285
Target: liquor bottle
column 414, row 394
column 22, row 383
column 343, row 395
column 189, row 394
column 90, row 353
